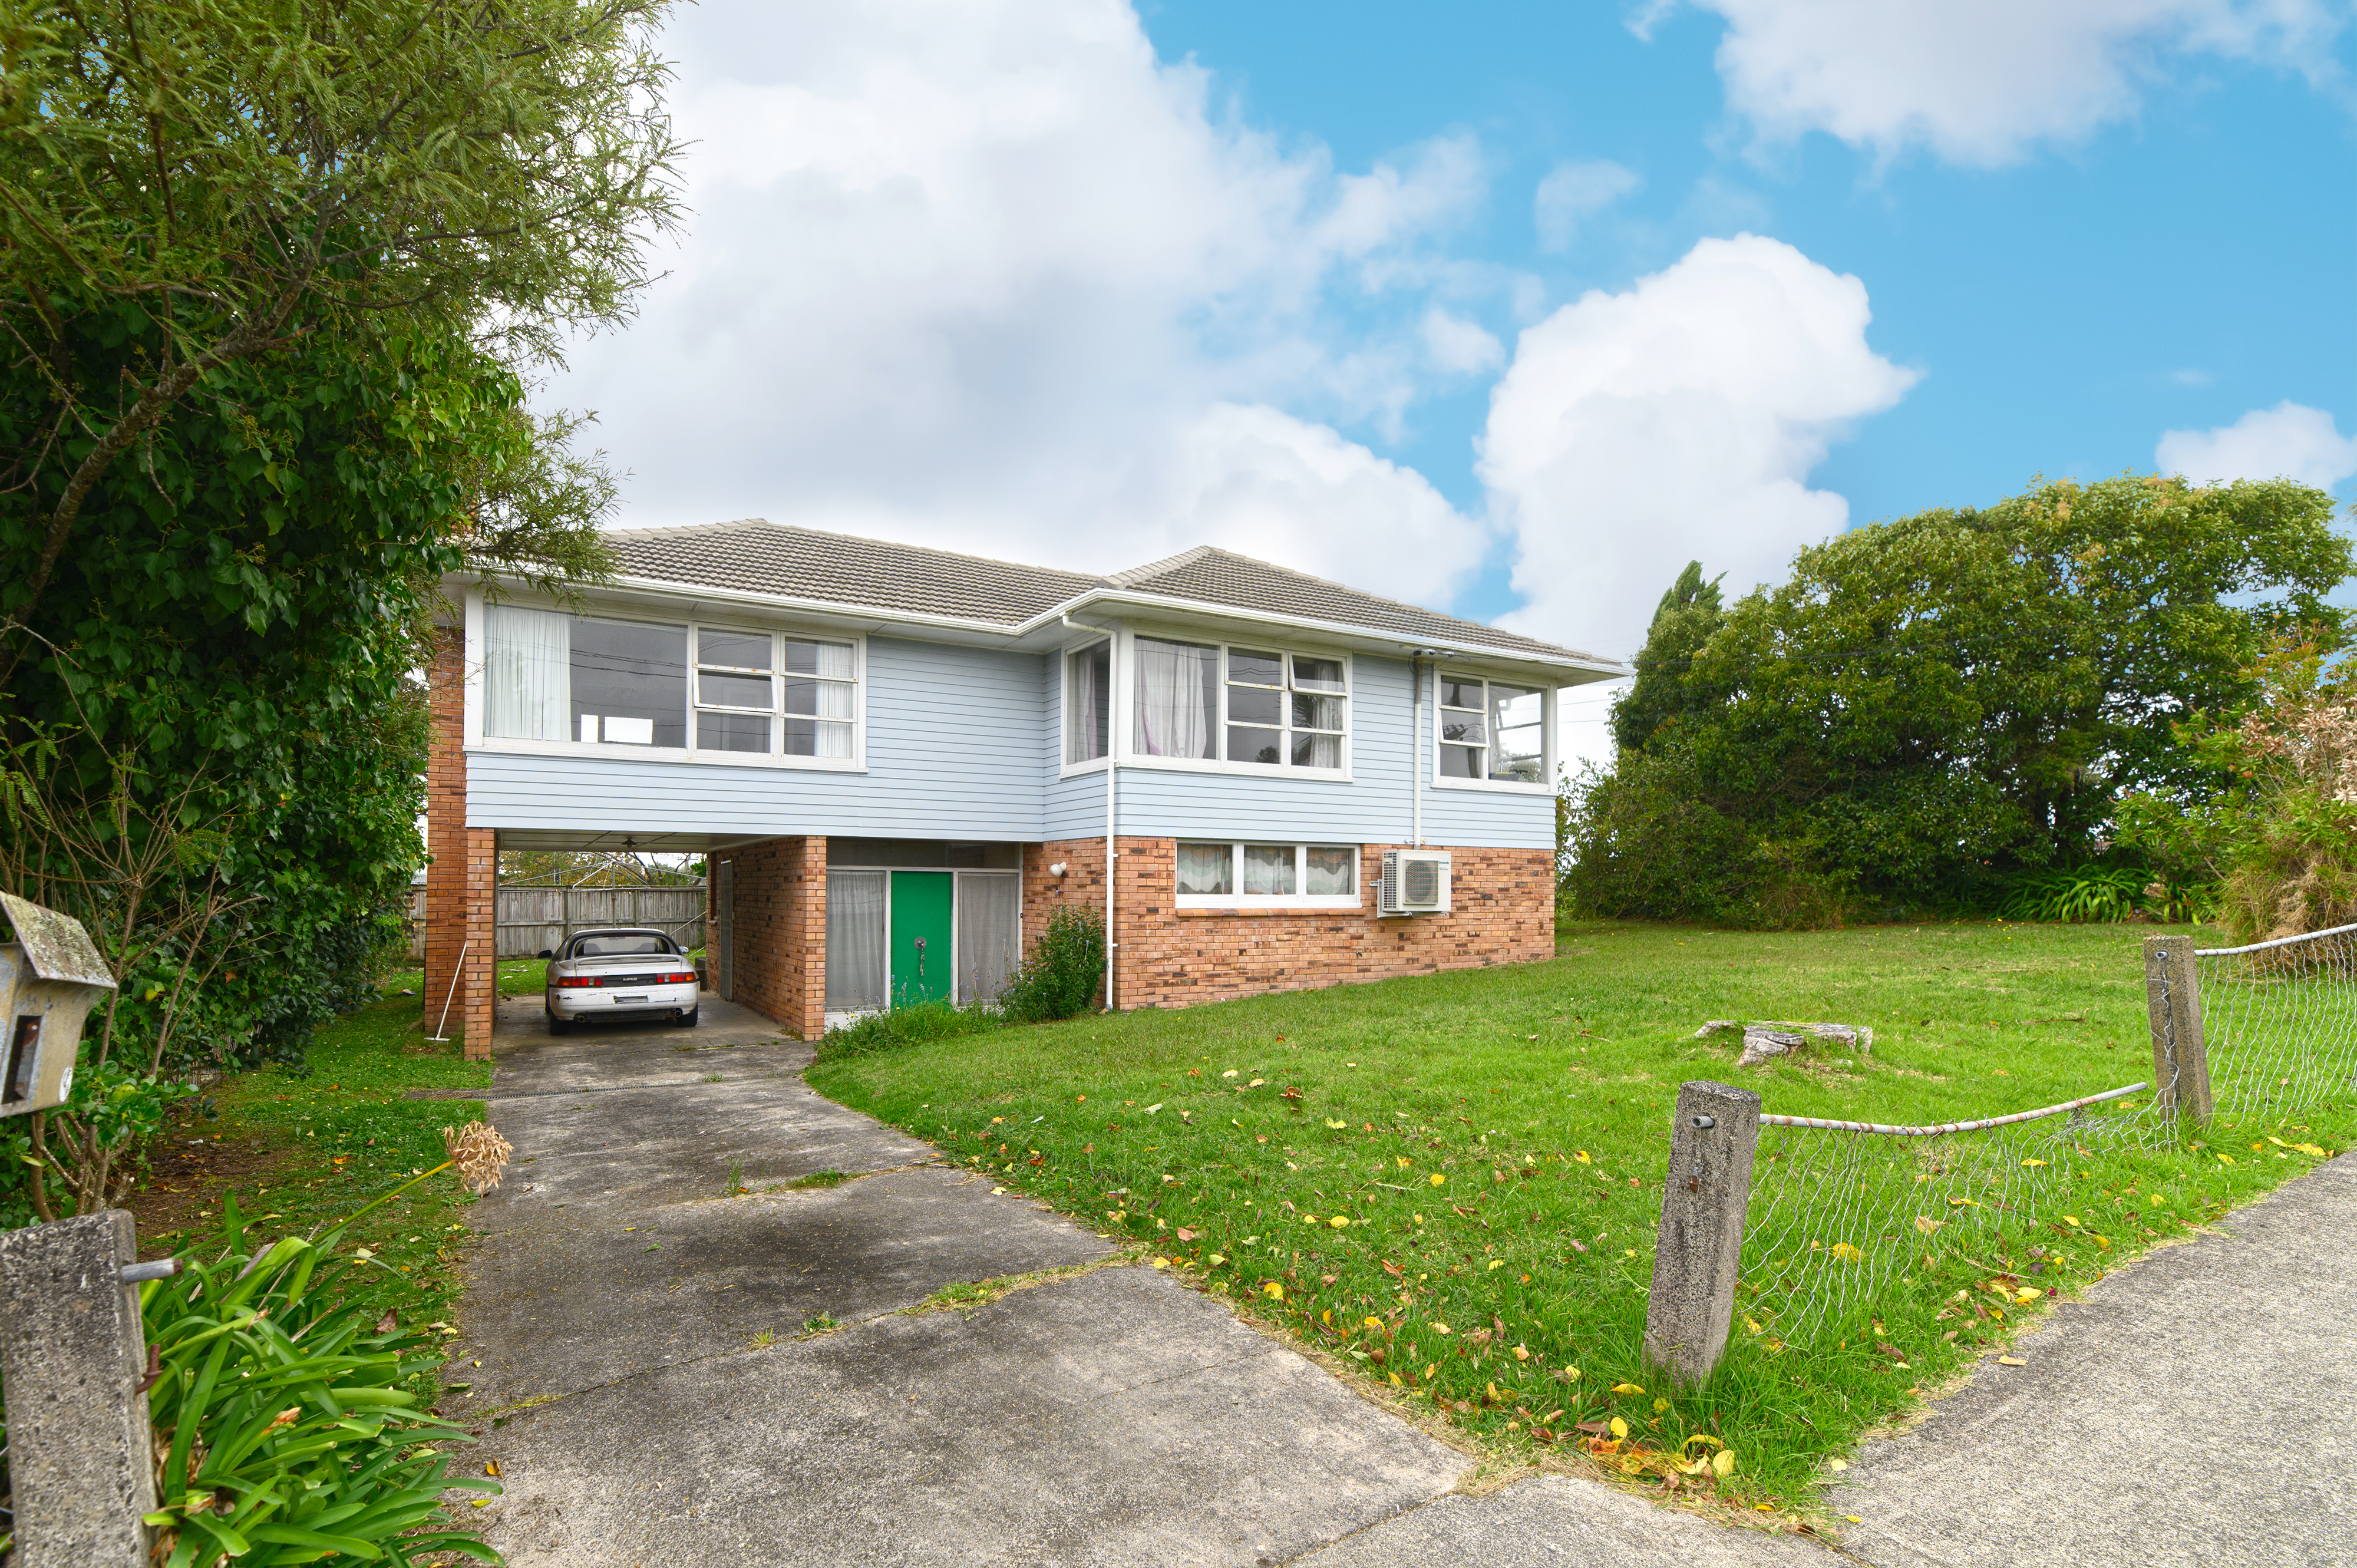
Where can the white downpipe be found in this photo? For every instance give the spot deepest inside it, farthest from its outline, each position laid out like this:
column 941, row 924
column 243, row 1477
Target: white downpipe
column 1113, row 748
column 1415, row 749
column 1111, row 798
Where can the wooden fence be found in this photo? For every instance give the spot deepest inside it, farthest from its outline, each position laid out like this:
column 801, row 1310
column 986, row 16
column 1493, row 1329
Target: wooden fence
column 529, row 918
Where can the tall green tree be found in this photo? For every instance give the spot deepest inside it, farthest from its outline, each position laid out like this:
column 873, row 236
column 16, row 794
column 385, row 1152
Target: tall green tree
column 211, row 181
column 272, row 280
column 1688, row 614
column 1931, row 705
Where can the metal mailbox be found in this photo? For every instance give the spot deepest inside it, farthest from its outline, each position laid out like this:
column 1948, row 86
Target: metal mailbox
column 50, row 977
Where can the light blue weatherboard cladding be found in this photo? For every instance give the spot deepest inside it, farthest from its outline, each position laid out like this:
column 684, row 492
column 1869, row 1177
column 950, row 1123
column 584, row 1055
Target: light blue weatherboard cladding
column 1374, row 807
column 954, row 750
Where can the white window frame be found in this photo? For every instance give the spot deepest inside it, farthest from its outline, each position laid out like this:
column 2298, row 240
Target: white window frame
column 1356, row 900
column 1545, row 783
column 1126, row 707
column 1115, row 709
column 778, row 632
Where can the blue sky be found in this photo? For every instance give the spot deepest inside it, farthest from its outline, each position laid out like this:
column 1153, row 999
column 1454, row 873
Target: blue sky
column 1509, row 310
column 2190, row 261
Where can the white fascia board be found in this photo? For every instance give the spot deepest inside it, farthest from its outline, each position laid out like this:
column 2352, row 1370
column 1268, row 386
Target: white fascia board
column 1047, row 626
column 683, row 598
column 1473, row 656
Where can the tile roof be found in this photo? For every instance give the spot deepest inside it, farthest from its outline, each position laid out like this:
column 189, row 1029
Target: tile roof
column 753, row 555
column 761, row 557
column 1214, row 577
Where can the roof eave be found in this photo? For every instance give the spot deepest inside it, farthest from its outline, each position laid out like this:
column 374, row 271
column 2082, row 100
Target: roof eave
column 1577, row 671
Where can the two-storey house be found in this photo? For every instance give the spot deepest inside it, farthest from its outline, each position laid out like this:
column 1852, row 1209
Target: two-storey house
column 898, row 762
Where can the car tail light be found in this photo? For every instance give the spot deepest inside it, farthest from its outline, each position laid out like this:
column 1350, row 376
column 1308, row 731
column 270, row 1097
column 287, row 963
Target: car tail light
column 582, row 979
column 675, row 979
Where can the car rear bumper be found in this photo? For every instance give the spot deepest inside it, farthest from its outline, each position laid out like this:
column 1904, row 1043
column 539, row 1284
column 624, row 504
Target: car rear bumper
column 645, row 1001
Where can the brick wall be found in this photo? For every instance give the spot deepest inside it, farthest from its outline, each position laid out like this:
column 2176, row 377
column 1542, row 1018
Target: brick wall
column 462, row 880
column 779, row 919
column 1502, row 911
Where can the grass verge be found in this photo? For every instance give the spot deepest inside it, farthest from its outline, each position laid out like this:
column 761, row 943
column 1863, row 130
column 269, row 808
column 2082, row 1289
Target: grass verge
column 298, row 1149
column 1453, row 1181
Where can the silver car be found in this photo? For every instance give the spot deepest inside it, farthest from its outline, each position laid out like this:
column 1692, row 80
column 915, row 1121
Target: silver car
column 622, row 974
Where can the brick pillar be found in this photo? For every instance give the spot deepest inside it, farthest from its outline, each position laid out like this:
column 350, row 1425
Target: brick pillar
column 459, row 881
column 804, row 937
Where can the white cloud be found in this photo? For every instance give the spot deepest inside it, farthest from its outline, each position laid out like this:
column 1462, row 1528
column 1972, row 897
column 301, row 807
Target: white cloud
column 1980, row 83
column 1262, row 483
column 2289, row 441
column 985, row 273
column 1574, row 192
column 1674, row 421
column 1460, row 346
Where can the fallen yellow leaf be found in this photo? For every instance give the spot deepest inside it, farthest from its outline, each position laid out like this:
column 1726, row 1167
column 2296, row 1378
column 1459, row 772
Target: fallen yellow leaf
column 1497, row 1262
column 1926, row 1224
column 1438, row 1180
column 1619, row 1427
column 1161, row 1262
column 2025, row 1294
column 1582, row 1157
column 2011, row 1362
column 1660, row 1405
column 2071, row 1220
column 1276, row 1290
column 1216, row 1259
column 1440, row 1328
column 1339, row 1223
column 1837, row 1464
column 1522, row 1352
column 1846, row 1252
column 2030, row 1163
column 1331, row 1122
column 1724, row 1462
column 1373, row 1323
column 1627, row 1389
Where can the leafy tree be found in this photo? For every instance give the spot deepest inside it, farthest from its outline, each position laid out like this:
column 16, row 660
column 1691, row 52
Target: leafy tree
column 272, row 281
column 190, row 185
column 1931, row 705
column 2277, row 845
column 1688, row 614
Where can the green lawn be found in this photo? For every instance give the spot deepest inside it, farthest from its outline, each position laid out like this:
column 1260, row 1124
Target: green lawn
column 1453, row 1182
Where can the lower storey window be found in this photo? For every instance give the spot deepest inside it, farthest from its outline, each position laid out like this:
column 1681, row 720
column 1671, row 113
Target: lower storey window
column 1246, row 875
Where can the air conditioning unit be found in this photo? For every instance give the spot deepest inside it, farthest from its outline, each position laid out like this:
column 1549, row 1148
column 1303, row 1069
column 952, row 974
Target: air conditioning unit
column 1415, row 882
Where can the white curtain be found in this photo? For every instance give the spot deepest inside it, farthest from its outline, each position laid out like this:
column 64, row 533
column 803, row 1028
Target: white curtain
column 527, row 674
column 854, row 940
column 989, row 942
column 1176, row 717
column 1084, row 703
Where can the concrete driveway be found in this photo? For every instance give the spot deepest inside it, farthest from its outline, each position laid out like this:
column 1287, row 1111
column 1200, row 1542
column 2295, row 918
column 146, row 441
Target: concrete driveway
column 640, row 1349
column 636, row 1344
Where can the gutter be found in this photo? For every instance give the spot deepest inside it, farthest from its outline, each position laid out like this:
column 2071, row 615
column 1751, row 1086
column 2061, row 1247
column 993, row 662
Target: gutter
column 1113, row 788
column 1586, row 668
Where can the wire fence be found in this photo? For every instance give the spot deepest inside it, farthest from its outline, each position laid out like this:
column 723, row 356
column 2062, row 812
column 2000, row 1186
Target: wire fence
column 1839, row 1211
column 2279, row 1022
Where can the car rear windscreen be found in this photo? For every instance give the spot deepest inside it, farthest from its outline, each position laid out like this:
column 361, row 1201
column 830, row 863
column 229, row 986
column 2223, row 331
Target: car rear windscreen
column 630, row 946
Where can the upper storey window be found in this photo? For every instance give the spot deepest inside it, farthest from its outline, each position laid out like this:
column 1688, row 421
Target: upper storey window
column 597, row 680
column 1088, row 703
column 1491, row 730
column 1262, row 707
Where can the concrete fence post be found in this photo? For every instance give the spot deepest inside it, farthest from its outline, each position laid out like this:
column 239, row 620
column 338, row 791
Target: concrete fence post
column 2181, row 1062
column 81, row 1459
column 1703, row 1202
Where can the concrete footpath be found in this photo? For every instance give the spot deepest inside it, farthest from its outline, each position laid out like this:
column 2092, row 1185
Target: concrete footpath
column 634, row 1341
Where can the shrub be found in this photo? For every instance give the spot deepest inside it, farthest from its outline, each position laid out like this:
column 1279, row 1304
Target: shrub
column 909, row 1024
column 1062, row 977
column 2086, row 892
column 287, row 1423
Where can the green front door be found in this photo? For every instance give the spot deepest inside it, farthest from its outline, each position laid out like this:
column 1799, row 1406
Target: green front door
column 923, row 964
